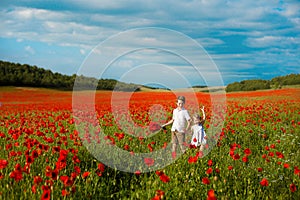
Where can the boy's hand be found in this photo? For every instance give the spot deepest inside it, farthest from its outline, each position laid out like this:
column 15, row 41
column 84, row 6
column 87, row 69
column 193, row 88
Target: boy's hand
column 163, row 127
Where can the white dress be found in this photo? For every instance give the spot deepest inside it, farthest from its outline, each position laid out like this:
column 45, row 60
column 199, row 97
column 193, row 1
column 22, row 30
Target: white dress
column 198, row 137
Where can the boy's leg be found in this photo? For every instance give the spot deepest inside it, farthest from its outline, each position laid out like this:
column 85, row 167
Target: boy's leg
column 181, row 141
column 174, row 141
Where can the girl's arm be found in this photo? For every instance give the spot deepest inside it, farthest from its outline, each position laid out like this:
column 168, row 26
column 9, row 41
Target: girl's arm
column 203, row 115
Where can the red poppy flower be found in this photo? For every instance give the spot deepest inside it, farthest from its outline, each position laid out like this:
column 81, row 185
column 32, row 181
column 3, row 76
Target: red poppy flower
column 149, row 161
column 156, row 198
column 159, row 173
column 286, row 165
column 209, row 170
column 245, row 159
column 137, row 173
column 3, row 163
column 64, row 193
column 296, row 170
column 159, row 195
column 101, row 167
column 37, row 180
column 199, row 154
column 247, row 151
column 264, row 182
column 259, row 169
column 126, row 147
column 271, row 154
column 150, row 147
column 192, row 159
column 85, row 174
column 17, row 175
column 164, row 178
column 209, row 162
column 120, row 136
column 205, row 180
column 99, row 173
column 77, row 170
column 165, row 145
column 279, row 155
column 67, row 181
column 33, row 189
column 236, row 156
column 293, row 187
column 29, row 159
column 230, row 167
column 56, row 149
column 267, row 148
column 54, row 174
column 35, row 154
column 46, row 194
column 211, row 195
column 60, row 165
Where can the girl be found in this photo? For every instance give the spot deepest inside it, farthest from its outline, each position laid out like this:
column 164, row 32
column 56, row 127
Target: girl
column 199, row 136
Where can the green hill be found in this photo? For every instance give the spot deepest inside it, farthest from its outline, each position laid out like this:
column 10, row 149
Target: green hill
column 259, row 84
column 12, row 74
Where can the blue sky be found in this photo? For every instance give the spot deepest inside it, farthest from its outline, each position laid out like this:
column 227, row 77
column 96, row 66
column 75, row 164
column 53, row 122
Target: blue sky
column 245, row 39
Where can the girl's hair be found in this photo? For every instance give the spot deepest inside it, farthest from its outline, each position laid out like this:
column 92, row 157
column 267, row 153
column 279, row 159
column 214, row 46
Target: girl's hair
column 197, row 116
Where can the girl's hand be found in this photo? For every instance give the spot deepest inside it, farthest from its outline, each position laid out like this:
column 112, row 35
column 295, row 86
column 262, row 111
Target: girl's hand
column 202, row 108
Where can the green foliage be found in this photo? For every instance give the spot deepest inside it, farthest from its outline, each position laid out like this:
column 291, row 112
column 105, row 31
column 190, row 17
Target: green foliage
column 276, row 83
column 248, row 85
column 12, row 74
column 291, row 79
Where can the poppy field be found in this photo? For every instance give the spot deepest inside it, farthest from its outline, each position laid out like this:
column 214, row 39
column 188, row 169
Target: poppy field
column 44, row 155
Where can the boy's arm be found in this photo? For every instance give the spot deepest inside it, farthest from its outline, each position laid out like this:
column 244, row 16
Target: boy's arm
column 188, row 124
column 168, row 123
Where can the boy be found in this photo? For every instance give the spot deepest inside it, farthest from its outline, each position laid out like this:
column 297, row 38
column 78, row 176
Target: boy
column 180, row 118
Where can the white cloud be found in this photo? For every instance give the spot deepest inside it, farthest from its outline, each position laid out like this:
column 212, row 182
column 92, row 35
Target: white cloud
column 208, row 42
column 271, row 41
column 82, row 51
column 30, row 50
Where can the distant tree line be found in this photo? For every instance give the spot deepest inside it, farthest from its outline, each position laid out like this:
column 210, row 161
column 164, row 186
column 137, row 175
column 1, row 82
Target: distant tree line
column 258, row 84
column 15, row 74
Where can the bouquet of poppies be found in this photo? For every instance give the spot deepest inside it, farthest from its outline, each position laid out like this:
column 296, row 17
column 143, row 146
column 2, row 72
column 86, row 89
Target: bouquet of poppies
column 153, row 126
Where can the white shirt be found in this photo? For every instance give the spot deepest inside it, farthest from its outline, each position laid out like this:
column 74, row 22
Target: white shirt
column 180, row 118
column 198, row 135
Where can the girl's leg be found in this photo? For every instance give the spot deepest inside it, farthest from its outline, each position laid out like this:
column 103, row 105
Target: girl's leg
column 201, row 147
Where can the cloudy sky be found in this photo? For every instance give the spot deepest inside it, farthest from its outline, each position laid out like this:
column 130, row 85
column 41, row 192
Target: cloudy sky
column 196, row 42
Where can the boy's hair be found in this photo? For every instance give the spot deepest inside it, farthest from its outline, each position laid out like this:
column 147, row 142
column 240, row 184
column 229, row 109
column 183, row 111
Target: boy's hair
column 182, row 98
